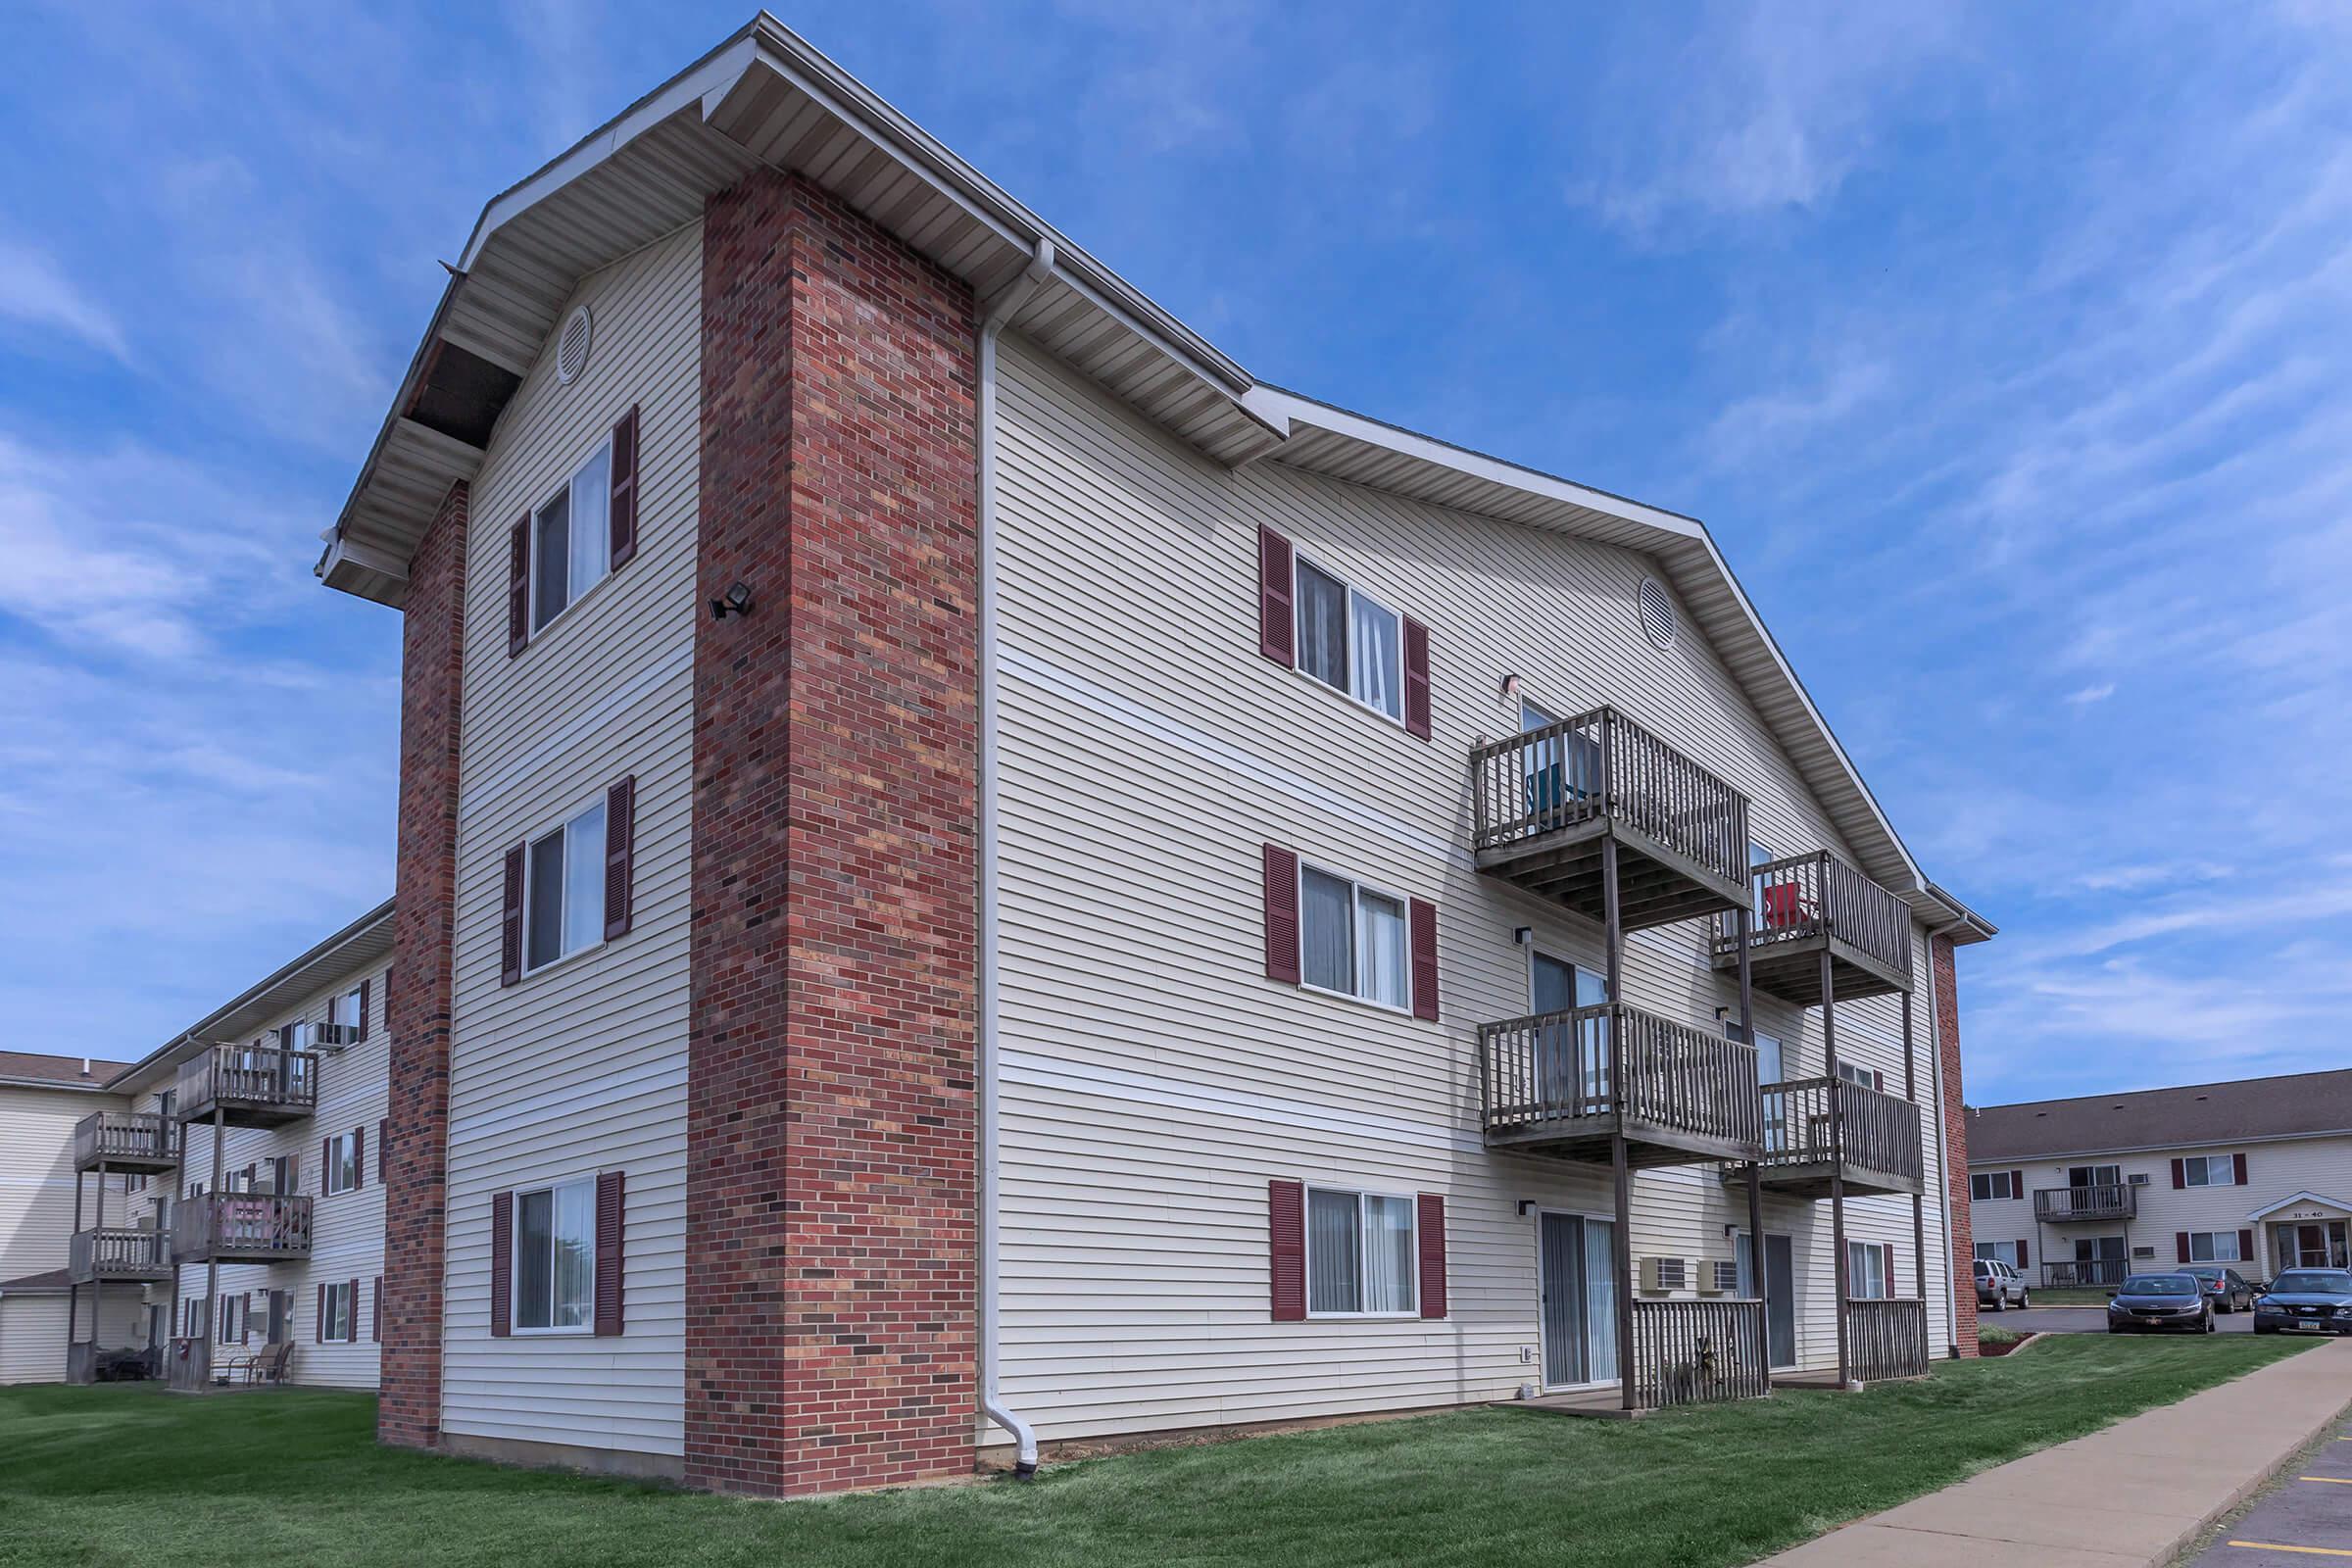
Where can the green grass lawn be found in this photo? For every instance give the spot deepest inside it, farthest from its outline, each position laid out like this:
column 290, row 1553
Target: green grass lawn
column 130, row 1476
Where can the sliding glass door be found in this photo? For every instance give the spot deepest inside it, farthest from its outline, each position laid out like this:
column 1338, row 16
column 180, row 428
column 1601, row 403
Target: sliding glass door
column 1577, row 1267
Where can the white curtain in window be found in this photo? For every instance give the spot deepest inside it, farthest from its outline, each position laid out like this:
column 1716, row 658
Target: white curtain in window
column 1389, row 1246
column 1379, row 657
column 591, row 521
column 1327, row 935
column 584, row 874
column 1335, row 1265
column 1322, row 626
column 575, row 1255
column 1600, row 1297
column 1384, row 950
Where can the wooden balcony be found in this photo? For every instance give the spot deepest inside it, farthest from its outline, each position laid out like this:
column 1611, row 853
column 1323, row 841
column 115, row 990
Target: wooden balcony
column 1698, row 1353
column 1885, row 1339
column 1881, row 1142
column 1809, row 904
column 2085, row 1273
column 250, row 1086
column 1562, row 1083
column 2061, row 1206
column 1544, row 802
column 118, row 1252
column 240, row 1228
column 126, row 1141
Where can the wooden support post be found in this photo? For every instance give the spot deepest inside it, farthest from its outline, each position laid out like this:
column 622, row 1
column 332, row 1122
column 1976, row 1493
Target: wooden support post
column 1918, row 1218
column 97, row 1271
column 1613, row 936
column 212, row 1249
column 74, row 1286
column 1829, row 1046
column 1758, row 1262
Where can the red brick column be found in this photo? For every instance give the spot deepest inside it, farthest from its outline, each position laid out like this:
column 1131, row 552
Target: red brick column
column 1956, row 1143
column 418, row 1009
column 831, row 1184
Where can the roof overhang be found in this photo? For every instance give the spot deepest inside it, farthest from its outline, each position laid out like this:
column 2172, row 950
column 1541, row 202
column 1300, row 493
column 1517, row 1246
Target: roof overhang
column 765, row 98
column 361, row 944
column 2320, row 1198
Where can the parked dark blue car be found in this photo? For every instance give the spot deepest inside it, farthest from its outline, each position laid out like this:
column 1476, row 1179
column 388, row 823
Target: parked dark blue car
column 2154, row 1303
column 2306, row 1301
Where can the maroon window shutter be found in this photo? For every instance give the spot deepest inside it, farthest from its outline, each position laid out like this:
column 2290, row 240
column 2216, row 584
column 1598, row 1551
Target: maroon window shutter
column 1286, row 1248
column 2020, row 1255
column 519, row 585
column 1877, row 1080
column 2181, row 1245
column 375, row 1321
column 620, row 854
column 359, row 1158
column 502, row 1264
column 1281, row 914
column 253, row 1173
column 509, row 934
column 326, row 1165
column 1424, row 941
column 1888, row 1248
column 388, row 996
column 1432, row 1236
column 2179, row 1180
column 623, row 506
column 351, row 1320
column 363, row 1010
column 1416, row 678
column 2245, row 1247
column 609, row 1207
column 383, row 1148
column 2239, row 1160
column 2016, row 1184
column 1277, row 624
column 318, row 1319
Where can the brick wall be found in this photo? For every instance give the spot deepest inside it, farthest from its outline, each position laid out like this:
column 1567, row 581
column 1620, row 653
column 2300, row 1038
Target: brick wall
column 417, row 1011
column 831, row 1298
column 1955, row 1143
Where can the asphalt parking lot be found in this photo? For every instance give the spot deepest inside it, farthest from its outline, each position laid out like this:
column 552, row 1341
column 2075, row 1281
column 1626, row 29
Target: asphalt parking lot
column 2306, row 1518
column 2083, row 1320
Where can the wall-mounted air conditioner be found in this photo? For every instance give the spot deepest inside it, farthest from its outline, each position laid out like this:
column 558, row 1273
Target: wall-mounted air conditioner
column 1661, row 1275
column 1720, row 1278
column 334, row 1037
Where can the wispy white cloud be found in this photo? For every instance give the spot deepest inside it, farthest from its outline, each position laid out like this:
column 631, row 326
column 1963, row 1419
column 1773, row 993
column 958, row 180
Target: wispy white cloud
column 36, row 292
column 2084, row 696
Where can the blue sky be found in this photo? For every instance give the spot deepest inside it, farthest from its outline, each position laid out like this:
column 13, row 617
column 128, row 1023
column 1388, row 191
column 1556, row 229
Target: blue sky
column 2004, row 349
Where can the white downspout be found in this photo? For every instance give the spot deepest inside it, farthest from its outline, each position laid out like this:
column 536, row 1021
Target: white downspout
column 996, row 313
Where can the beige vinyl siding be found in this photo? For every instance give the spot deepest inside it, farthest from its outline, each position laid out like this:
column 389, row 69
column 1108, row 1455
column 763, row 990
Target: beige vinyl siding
column 582, row 1066
column 32, row 1331
column 1154, row 1080
column 347, row 1229
column 36, row 1225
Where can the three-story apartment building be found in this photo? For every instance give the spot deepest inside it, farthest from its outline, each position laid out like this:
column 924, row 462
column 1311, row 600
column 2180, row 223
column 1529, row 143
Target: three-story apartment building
column 2256, row 1173
column 970, row 875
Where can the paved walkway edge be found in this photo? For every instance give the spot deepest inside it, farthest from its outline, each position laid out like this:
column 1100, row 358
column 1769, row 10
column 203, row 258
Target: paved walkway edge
column 2133, row 1495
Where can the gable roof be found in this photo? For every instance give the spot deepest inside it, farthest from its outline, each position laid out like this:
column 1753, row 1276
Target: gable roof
column 2301, row 1104
column 34, row 1071
column 2320, row 1198
column 764, row 97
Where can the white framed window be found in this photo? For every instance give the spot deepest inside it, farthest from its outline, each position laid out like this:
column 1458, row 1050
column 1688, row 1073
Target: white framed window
column 295, row 1036
column 571, row 538
column 342, row 1174
column 1350, row 641
column 2210, row 1170
column 1986, row 1186
column 1360, row 1255
column 1864, row 1077
column 2214, row 1247
column 347, row 1009
column 563, row 889
column 342, row 1308
column 1867, row 1271
column 1352, row 939
column 554, row 1258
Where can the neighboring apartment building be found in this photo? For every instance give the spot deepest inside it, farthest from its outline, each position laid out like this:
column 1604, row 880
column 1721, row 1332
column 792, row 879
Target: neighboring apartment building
column 971, row 875
column 41, row 1201
column 243, row 1162
column 2080, row 1192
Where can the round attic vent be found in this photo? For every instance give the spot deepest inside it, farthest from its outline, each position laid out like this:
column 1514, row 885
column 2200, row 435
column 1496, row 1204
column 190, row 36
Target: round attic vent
column 571, row 348
column 1657, row 612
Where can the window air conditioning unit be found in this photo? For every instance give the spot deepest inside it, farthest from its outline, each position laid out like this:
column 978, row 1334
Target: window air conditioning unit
column 1660, row 1275
column 1722, row 1278
column 334, row 1037
column 2140, row 1179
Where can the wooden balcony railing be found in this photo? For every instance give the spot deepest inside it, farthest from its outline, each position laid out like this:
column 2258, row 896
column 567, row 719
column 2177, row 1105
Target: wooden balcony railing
column 242, row 1225
column 1881, row 1131
column 2086, row 1273
column 1886, row 1339
column 1698, row 1353
column 261, row 1076
column 1819, row 895
column 1589, row 1066
column 1604, row 764
column 138, row 1137
column 118, row 1252
column 2103, row 1200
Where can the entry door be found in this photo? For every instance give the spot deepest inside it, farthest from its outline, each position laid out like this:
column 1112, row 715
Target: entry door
column 1577, row 1267
column 1780, row 1293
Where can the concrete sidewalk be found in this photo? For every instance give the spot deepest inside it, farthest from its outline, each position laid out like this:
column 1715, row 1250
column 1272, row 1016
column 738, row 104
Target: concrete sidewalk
column 2130, row 1497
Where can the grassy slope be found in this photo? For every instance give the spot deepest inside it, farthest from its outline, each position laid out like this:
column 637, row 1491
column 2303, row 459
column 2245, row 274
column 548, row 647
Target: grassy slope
column 128, row 1476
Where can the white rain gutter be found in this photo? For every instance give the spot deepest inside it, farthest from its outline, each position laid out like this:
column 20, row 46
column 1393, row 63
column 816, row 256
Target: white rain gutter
column 998, row 311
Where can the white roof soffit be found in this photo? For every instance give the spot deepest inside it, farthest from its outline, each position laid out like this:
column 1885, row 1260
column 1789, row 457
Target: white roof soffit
column 764, row 97
column 1350, row 447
